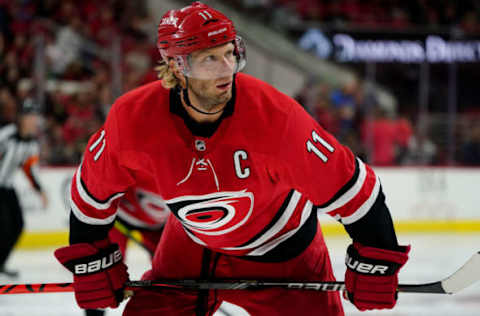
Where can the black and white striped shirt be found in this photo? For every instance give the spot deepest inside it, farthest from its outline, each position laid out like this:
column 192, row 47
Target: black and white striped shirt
column 16, row 152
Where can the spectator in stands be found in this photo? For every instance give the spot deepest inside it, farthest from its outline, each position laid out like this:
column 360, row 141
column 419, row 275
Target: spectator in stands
column 352, row 141
column 403, row 135
column 470, row 151
column 83, row 120
column 77, row 36
column 312, row 9
column 324, row 115
column 379, row 136
column 344, row 102
column 307, row 95
column 392, row 14
column 68, row 46
column 421, row 150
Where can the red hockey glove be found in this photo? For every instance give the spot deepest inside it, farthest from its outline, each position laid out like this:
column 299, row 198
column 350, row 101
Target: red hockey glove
column 99, row 273
column 371, row 278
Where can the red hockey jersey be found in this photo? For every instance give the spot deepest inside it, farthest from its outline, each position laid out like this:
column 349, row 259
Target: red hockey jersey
column 253, row 186
column 143, row 209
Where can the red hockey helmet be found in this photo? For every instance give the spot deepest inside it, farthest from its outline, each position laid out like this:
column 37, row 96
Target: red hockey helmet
column 194, row 28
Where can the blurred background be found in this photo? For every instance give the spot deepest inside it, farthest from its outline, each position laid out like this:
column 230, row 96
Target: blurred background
column 396, row 81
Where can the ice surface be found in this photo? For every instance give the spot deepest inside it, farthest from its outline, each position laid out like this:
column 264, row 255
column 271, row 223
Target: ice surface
column 433, row 257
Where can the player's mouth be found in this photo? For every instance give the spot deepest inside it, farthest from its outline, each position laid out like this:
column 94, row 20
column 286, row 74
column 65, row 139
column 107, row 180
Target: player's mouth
column 224, row 86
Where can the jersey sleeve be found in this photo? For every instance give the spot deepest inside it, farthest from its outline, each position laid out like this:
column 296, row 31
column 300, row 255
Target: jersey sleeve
column 30, row 166
column 102, row 177
column 336, row 181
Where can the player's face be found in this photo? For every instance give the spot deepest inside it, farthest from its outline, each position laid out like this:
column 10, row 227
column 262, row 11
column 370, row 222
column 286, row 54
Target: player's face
column 218, row 65
column 212, row 63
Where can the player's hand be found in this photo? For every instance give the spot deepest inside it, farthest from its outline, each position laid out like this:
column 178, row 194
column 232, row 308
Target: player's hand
column 99, row 274
column 371, row 278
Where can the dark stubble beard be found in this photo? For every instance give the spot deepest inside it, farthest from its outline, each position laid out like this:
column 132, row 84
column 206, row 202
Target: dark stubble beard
column 210, row 103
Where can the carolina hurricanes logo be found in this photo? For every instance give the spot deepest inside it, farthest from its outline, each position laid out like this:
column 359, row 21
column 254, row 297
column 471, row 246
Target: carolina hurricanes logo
column 169, row 20
column 215, row 213
column 153, row 205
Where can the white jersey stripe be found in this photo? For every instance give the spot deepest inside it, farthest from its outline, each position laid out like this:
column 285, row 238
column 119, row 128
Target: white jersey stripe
column 134, row 221
column 307, row 210
column 87, row 219
column 7, row 163
column 194, row 238
column 95, row 144
column 278, row 226
column 366, row 206
column 100, row 151
column 350, row 194
column 7, row 131
column 87, row 199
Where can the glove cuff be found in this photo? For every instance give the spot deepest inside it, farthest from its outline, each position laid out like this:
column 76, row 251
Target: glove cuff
column 374, row 261
column 399, row 256
column 86, row 259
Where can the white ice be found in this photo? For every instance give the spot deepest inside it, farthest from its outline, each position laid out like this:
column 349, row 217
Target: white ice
column 433, row 257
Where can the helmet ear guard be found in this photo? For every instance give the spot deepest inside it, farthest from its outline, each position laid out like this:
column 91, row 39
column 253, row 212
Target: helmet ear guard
column 240, row 52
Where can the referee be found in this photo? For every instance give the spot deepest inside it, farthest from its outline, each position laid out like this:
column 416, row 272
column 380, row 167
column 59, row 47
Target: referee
column 18, row 149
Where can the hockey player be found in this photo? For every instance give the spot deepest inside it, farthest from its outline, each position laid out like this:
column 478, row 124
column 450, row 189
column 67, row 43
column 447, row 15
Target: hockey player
column 244, row 171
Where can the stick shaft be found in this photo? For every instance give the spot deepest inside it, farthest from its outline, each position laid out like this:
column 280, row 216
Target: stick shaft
column 35, row 288
column 205, row 285
column 468, row 274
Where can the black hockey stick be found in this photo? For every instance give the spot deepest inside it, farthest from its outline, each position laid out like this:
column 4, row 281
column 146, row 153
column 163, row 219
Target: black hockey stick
column 468, row 274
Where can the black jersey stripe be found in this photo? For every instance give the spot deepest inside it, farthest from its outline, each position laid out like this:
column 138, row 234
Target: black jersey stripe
column 84, row 187
column 293, row 246
column 274, row 220
column 345, row 188
column 81, row 232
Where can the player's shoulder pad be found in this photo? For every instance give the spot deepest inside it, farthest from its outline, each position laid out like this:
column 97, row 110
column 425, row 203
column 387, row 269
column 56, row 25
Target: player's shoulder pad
column 269, row 96
column 142, row 100
column 261, row 99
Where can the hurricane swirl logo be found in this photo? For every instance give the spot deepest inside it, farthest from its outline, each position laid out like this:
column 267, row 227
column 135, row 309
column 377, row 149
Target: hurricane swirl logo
column 215, row 213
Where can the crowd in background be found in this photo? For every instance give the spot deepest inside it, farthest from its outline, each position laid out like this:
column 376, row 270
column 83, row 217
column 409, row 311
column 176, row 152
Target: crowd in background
column 379, row 135
column 358, row 121
column 385, row 14
column 73, row 63
column 74, row 47
column 385, row 137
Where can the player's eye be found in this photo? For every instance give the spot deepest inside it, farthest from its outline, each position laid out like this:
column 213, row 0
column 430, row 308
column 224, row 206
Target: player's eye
column 210, row 58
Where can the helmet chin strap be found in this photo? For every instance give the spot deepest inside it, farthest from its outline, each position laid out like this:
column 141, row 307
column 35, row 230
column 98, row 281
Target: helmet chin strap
column 186, row 99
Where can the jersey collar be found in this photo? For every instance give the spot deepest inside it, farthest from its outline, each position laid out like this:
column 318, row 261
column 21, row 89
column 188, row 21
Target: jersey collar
column 199, row 129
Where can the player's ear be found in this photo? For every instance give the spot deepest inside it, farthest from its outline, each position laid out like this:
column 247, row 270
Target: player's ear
column 178, row 74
